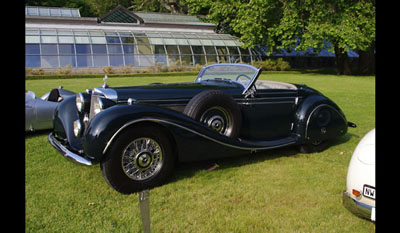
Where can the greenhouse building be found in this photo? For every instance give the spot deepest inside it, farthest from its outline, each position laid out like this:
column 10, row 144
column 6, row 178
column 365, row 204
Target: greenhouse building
column 60, row 37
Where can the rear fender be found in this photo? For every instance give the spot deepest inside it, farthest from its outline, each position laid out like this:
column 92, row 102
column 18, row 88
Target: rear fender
column 318, row 119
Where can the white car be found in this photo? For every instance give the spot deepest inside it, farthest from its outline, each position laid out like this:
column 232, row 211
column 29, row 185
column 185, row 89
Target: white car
column 359, row 196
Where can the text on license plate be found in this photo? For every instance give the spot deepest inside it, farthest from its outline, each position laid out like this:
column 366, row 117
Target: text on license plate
column 369, row 191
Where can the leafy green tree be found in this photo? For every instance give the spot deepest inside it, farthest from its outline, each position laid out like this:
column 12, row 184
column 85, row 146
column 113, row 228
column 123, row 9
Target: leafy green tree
column 299, row 24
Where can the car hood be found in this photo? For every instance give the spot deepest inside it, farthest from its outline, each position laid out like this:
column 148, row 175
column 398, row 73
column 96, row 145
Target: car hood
column 158, row 91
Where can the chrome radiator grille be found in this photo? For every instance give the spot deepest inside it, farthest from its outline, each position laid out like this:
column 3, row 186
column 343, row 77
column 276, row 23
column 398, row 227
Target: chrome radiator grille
column 92, row 101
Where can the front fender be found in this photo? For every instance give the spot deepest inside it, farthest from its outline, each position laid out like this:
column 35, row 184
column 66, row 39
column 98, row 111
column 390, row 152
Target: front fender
column 318, row 119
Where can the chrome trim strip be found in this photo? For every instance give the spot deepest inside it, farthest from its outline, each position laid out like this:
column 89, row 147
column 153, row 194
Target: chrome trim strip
column 190, row 130
column 67, row 153
column 319, row 106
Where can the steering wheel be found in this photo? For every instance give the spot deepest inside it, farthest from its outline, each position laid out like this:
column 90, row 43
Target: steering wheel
column 242, row 75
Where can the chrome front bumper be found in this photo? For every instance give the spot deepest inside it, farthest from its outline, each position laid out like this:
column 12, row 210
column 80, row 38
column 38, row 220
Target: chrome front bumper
column 67, row 153
column 358, row 208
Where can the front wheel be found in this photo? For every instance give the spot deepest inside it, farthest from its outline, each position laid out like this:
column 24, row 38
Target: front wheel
column 140, row 158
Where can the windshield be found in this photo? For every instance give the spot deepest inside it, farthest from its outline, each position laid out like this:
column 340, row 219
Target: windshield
column 240, row 73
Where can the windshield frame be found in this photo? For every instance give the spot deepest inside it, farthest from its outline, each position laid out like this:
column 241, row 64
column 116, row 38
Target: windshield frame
column 246, row 87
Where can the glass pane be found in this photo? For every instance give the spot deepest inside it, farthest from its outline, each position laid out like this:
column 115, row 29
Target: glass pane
column 244, row 51
column 114, row 49
column 144, row 49
column 55, row 12
column 48, row 32
column 32, row 39
column 197, row 50
column 127, row 40
column 157, row 41
column 83, row 49
column 129, row 49
column 234, row 58
column 66, row 39
column 173, row 58
column 172, row 49
column 44, row 12
column 32, row 61
column 142, row 40
column 212, row 59
column 199, row 59
column 223, row 59
column 98, row 40
column 160, row 59
column 82, row 40
column 32, row 32
column 49, row 61
column 170, row 41
column 65, row 32
column 111, row 33
column 159, row 49
column 112, row 39
column 99, row 49
column 145, row 60
column 182, row 42
column 187, row 60
column 210, row 50
column 230, row 43
column 33, row 11
column 49, row 39
column 222, row 50
column 218, row 42
column 206, row 42
column 81, row 33
column 49, row 49
column 84, row 61
column 116, row 60
column 66, row 49
column 233, row 50
column 100, row 61
column 185, row 49
column 32, row 49
column 246, row 59
column 130, row 60
column 96, row 33
column 66, row 12
column 75, row 13
column 67, row 60
column 194, row 42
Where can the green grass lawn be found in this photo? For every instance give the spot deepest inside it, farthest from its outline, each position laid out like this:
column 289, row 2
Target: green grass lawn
column 280, row 190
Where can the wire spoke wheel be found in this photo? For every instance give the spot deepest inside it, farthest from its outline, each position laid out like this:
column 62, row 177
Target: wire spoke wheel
column 142, row 159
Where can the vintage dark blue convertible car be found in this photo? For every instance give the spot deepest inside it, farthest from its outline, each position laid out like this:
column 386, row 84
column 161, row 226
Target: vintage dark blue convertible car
column 138, row 133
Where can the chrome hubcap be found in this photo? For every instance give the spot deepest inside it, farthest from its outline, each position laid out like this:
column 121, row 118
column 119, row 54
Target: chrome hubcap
column 218, row 119
column 142, row 159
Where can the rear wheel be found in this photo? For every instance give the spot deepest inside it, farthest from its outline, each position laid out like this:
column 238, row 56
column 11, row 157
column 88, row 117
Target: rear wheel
column 140, row 158
column 313, row 147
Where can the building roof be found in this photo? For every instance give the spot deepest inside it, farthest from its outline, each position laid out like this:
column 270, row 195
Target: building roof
column 122, row 15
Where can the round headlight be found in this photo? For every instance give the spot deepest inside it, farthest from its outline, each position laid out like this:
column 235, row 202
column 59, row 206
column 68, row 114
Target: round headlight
column 80, row 102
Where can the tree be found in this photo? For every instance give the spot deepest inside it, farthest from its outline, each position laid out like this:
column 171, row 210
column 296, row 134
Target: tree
column 299, row 24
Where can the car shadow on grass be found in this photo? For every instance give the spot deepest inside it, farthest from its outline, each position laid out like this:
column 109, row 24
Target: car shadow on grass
column 189, row 169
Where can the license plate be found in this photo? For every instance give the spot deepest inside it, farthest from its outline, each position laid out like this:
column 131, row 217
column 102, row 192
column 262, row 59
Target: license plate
column 369, row 191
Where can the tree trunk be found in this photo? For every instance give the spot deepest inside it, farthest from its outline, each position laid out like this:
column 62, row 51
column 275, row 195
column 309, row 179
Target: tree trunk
column 342, row 61
column 366, row 61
